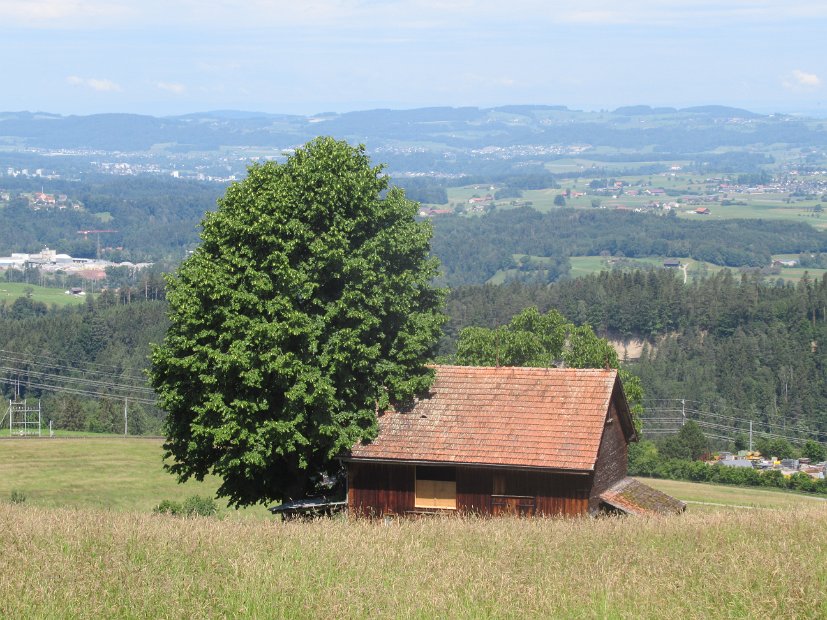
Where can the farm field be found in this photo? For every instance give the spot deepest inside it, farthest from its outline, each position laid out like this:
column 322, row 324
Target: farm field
column 100, row 564
column 755, row 206
column 763, row 208
column 587, row 265
column 108, row 473
column 9, row 291
column 716, row 497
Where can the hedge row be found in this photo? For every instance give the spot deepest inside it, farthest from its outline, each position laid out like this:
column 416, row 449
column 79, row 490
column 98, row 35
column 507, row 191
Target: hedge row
column 699, row 471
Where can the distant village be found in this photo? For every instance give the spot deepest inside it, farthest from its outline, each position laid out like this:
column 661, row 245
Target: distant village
column 755, row 460
column 50, row 261
column 42, row 201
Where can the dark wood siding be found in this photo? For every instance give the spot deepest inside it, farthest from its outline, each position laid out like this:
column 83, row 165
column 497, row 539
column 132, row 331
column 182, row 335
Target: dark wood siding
column 611, row 458
column 380, row 489
column 554, row 493
column 376, row 489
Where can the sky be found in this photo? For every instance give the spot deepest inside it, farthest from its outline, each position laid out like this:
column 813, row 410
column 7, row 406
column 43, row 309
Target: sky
column 309, row 56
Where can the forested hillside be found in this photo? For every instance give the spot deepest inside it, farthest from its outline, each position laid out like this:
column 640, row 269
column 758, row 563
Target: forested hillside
column 735, row 345
column 84, row 363
column 474, row 249
column 153, row 218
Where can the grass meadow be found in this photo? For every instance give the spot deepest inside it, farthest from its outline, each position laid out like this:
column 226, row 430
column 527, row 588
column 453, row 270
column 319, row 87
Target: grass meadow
column 9, row 291
column 101, row 564
column 85, row 544
column 107, row 473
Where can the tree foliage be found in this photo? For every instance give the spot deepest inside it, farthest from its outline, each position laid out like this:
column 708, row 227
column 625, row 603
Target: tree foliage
column 472, row 250
column 535, row 339
column 689, row 443
column 307, row 309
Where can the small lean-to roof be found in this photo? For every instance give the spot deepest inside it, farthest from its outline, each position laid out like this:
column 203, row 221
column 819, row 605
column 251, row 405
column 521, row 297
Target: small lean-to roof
column 503, row 416
column 635, row 498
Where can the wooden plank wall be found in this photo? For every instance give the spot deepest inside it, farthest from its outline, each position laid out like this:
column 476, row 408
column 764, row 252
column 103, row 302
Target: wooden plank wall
column 557, row 494
column 378, row 489
column 612, row 458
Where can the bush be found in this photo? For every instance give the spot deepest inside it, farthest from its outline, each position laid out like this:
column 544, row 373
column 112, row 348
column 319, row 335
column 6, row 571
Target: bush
column 193, row 506
column 168, row 507
column 17, row 497
column 773, row 478
column 196, row 506
column 644, row 460
column 802, row 482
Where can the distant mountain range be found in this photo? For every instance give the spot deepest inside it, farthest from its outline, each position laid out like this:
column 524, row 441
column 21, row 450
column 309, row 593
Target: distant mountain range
column 696, row 129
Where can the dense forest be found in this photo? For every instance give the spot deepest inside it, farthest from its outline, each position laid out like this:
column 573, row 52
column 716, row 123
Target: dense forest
column 734, row 345
column 86, row 364
column 474, row 249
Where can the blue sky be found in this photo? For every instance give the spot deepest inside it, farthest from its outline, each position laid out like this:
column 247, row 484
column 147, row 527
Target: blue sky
column 308, row 56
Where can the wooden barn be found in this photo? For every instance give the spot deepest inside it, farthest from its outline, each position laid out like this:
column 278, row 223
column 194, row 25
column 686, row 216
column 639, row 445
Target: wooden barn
column 526, row 441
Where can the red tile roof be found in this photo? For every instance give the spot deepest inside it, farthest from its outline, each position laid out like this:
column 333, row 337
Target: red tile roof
column 521, row 417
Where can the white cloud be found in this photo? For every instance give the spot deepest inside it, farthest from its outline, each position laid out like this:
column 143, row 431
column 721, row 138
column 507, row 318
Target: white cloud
column 798, row 80
column 175, row 89
column 806, row 79
column 95, row 84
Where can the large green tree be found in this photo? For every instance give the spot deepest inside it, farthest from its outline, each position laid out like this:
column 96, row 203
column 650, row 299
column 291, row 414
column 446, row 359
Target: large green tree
column 307, row 309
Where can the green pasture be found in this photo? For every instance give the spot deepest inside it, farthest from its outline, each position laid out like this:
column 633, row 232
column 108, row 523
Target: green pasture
column 587, row 265
column 111, row 473
column 9, row 291
column 796, row 274
column 127, row 474
column 714, row 497
column 760, row 208
column 463, row 194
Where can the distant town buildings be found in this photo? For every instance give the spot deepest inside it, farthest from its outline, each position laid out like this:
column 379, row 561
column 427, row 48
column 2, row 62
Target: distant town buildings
column 51, row 261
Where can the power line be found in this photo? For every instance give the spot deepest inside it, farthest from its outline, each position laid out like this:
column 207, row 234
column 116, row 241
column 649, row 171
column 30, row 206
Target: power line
column 80, row 380
column 666, row 421
column 81, row 392
column 71, row 364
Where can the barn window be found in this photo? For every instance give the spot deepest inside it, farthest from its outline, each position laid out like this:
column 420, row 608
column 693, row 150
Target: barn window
column 436, row 487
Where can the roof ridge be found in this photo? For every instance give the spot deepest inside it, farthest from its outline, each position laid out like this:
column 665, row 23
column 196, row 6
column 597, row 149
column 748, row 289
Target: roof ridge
column 525, row 368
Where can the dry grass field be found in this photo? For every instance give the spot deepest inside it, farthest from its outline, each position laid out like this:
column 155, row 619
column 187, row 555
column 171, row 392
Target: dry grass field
column 97, row 564
column 85, row 544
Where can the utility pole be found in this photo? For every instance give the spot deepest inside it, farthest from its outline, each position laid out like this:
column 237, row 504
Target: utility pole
column 683, row 411
column 750, row 435
column 125, row 417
